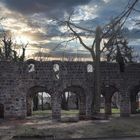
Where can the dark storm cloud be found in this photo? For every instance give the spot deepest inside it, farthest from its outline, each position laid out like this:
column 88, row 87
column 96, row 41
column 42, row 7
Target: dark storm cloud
column 131, row 34
column 51, row 8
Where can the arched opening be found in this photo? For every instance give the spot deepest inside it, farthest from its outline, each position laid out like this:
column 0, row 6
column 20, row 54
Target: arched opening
column 135, row 99
column 69, row 101
column 73, row 103
column 115, row 103
column 1, row 111
column 110, row 100
column 39, row 102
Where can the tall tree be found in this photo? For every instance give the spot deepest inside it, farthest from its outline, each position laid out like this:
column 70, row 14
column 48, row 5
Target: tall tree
column 110, row 32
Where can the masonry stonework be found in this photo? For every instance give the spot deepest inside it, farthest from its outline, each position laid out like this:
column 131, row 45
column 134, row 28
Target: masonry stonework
column 20, row 81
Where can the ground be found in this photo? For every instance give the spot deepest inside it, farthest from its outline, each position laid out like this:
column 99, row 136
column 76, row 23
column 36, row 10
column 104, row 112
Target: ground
column 40, row 124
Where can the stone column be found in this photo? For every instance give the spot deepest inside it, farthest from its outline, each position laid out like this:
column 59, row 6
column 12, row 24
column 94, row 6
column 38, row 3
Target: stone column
column 125, row 103
column 56, row 107
column 82, row 108
column 29, row 106
column 1, row 111
column 133, row 105
column 88, row 107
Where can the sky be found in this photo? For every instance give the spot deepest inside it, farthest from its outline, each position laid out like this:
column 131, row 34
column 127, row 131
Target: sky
column 34, row 22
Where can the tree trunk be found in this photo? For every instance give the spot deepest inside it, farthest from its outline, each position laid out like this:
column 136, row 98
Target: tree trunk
column 97, row 91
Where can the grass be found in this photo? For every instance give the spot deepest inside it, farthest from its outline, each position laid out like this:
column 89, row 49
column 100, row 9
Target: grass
column 42, row 112
column 49, row 112
column 70, row 112
column 114, row 111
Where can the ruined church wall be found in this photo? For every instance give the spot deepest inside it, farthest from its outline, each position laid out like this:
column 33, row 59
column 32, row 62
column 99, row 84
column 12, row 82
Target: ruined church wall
column 16, row 81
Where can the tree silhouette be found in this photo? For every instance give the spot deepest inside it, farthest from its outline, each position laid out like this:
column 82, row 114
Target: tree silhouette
column 8, row 53
column 111, row 33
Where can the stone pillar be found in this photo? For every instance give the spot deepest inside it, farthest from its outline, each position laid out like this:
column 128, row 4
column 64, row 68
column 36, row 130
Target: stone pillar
column 82, row 108
column 108, row 106
column 95, row 105
column 29, row 106
column 133, row 105
column 125, row 103
column 56, row 107
column 88, row 107
column 1, row 111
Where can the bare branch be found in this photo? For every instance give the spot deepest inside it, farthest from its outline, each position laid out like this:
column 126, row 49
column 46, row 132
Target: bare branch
column 93, row 44
column 63, row 42
column 78, row 36
column 82, row 28
column 136, row 10
column 120, row 19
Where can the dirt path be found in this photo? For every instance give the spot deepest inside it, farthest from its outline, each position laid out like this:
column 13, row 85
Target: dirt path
column 81, row 129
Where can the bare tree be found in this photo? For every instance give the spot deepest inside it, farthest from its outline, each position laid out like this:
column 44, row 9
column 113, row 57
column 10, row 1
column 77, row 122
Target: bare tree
column 7, row 52
column 111, row 33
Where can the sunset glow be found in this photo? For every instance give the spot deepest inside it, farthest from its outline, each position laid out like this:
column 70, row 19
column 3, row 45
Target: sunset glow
column 22, row 40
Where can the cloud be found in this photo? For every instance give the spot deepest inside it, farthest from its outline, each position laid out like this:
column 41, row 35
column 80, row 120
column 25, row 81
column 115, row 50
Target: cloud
column 51, row 8
column 32, row 18
column 103, row 11
column 131, row 34
column 61, row 53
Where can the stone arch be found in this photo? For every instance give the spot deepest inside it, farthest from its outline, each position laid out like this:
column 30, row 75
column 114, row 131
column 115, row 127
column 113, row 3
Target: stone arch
column 108, row 91
column 1, row 111
column 134, row 98
column 80, row 93
column 32, row 91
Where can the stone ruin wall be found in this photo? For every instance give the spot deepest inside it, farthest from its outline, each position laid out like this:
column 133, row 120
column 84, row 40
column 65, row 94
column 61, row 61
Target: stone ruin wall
column 16, row 80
